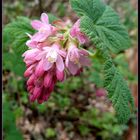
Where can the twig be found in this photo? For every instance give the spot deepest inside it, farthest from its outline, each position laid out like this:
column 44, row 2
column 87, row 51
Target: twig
column 40, row 6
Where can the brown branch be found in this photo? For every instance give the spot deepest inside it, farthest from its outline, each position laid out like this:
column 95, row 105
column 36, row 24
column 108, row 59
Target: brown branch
column 40, row 6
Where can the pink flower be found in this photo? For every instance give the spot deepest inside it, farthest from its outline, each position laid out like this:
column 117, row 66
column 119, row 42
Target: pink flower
column 100, row 92
column 32, row 43
column 76, row 33
column 44, row 67
column 43, row 27
column 54, row 56
column 75, row 59
column 47, row 59
column 41, row 87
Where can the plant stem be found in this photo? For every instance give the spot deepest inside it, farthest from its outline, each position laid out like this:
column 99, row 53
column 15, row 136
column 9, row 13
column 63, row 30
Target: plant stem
column 40, row 6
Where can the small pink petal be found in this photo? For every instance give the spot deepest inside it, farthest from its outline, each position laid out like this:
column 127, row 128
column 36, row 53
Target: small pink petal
column 40, row 56
column 72, row 33
column 48, row 80
column 28, row 72
column 36, row 24
column 100, row 92
column 38, row 82
column 30, row 88
column 31, row 91
column 82, row 38
column 36, row 94
column 73, row 68
column 53, row 29
column 56, row 46
column 29, row 62
column 51, row 88
column 79, row 72
column 46, row 48
column 75, row 29
column 67, row 60
column 39, row 36
column 29, row 54
column 46, row 94
column 44, row 18
column 59, row 63
column 41, row 97
column 84, row 61
column 75, row 32
column 60, row 75
column 62, row 53
column 39, row 69
column 47, row 65
column 83, row 52
column 31, row 80
column 31, row 43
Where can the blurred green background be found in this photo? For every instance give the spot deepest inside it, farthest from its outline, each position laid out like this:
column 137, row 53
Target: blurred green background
column 74, row 111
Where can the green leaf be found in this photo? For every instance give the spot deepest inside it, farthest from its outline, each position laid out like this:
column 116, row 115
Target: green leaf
column 118, row 92
column 84, row 130
column 11, row 132
column 19, row 26
column 91, row 8
column 17, row 30
column 101, row 24
column 104, row 22
column 50, row 132
column 14, row 63
column 96, row 75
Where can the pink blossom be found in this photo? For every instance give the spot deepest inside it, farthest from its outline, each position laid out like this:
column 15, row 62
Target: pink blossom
column 100, row 92
column 54, row 56
column 76, row 59
column 52, row 51
column 32, row 43
column 44, row 67
column 43, row 27
column 76, row 33
column 40, row 87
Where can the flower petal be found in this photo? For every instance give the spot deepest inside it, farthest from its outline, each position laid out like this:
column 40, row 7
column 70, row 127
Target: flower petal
column 36, row 94
column 48, row 80
column 39, row 37
column 31, row 43
column 47, row 65
column 84, row 61
column 29, row 71
column 44, row 18
column 67, row 60
column 75, row 29
column 59, row 63
column 39, row 69
column 82, row 38
column 36, row 24
column 100, row 92
column 62, row 53
column 46, row 48
column 30, row 54
column 73, row 68
column 31, row 80
column 84, row 52
column 60, row 75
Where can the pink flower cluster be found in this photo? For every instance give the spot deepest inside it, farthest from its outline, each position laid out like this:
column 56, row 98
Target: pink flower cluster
column 53, row 54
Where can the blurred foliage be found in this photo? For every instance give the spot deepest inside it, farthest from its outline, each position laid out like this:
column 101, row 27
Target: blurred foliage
column 10, row 129
column 50, row 132
column 70, row 103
